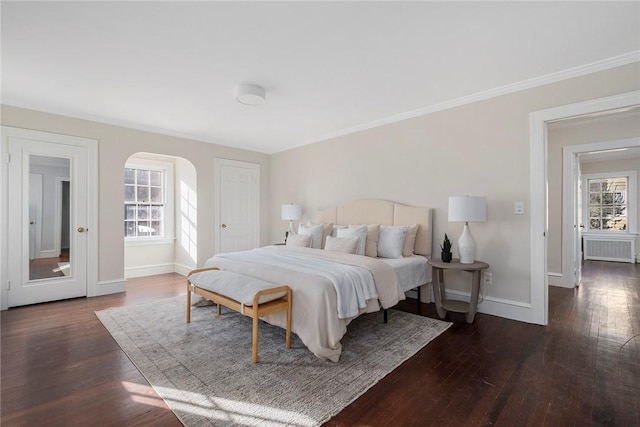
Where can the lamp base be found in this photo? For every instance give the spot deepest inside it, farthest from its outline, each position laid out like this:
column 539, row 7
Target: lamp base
column 291, row 230
column 466, row 246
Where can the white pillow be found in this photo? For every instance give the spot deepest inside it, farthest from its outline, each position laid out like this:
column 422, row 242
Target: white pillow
column 391, row 241
column 299, row 240
column 315, row 231
column 359, row 231
column 335, row 228
column 347, row 245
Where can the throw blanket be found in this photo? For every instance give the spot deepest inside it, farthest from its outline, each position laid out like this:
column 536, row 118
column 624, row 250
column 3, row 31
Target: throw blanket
column 315, row 302
column 354, row 285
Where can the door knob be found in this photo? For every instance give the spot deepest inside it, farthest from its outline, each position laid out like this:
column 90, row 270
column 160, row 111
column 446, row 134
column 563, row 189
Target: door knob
column 81, row 229
column 224, row 225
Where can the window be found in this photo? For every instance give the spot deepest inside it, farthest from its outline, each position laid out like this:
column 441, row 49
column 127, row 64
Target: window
column 610, row 204
column 148, row 204
column 144, row 202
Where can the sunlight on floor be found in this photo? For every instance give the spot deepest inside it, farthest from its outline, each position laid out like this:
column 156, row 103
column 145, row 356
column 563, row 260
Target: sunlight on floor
column 142, row 393
column 218, row 408
column 63, row 267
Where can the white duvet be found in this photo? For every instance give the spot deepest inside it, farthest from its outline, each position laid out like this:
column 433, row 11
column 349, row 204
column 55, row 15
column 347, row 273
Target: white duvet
column 329, row 289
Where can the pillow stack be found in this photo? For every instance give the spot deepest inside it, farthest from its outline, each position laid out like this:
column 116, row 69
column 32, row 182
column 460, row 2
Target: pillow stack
column 372, row 240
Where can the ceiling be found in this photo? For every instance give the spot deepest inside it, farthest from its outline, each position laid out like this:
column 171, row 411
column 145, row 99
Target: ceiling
column 329, row 68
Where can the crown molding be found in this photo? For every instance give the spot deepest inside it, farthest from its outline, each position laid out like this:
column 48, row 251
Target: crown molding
column 125, row 124
column 602, row 65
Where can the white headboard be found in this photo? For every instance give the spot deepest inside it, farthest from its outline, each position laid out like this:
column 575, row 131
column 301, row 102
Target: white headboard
column 373, row 211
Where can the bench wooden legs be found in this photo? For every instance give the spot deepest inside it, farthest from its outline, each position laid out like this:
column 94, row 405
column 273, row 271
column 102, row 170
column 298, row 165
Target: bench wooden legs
column 258, row 310
column 255, row 311
column 254, row 346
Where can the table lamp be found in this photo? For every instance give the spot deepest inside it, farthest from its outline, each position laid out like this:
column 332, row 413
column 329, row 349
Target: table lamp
column 467, row 209
column 292, row 213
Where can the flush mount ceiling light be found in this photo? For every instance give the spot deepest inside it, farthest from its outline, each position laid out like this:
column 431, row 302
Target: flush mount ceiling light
column 249, row 94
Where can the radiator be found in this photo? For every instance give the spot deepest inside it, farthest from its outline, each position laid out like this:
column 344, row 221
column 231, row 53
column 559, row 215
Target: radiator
column 603, row 248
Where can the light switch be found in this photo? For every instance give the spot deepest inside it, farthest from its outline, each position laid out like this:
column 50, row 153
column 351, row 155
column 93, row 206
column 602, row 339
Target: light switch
column 518, row 208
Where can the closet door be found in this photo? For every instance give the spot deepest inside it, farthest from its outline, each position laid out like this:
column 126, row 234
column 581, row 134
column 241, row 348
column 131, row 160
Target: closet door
column 47, row 220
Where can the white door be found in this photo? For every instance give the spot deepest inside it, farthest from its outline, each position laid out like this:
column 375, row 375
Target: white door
column 237, row 205
column 51, row 276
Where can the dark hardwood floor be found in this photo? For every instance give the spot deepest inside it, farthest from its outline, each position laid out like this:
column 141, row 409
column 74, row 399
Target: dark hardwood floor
column 61, row 367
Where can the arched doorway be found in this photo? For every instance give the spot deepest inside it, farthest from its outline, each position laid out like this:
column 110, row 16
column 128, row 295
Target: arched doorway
column 160, row 215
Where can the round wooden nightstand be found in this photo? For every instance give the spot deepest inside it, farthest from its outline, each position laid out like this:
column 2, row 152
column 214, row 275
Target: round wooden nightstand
column 442, row 304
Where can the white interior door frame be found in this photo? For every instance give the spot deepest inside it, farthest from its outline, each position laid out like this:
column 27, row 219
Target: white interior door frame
column 538, row 148
column 91, row 145
column 569, row 208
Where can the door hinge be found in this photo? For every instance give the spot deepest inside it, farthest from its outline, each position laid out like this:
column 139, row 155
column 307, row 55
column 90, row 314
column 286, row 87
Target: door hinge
column 8, row 157
column 8, row 285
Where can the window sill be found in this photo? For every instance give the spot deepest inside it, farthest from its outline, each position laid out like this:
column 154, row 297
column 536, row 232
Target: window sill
column 148, row 241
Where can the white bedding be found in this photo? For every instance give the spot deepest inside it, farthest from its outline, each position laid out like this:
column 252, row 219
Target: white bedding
column 354, row 285
column 411, row 271
column 315, row 304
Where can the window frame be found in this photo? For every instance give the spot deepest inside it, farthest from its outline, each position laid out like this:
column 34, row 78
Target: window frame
column 169, row 194
column 632, row 205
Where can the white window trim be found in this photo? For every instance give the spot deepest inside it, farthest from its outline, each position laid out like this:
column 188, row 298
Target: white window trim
column 632, row 203
column 169, row 197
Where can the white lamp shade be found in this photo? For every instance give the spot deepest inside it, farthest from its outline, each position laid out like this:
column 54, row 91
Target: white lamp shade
column 467, row 209
column 291, row 212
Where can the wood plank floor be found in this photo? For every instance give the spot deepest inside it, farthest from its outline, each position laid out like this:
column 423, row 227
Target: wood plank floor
column 61, row 367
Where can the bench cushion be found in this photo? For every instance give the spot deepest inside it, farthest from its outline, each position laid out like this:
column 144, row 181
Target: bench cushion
column 235, row 286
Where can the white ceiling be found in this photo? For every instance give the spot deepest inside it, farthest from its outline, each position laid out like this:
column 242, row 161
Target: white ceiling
column 329, row 68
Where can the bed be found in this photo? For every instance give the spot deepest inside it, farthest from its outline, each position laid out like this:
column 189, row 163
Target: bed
column 322, row 308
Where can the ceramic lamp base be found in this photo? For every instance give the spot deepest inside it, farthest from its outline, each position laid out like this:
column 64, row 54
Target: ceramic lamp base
column 291, row 229
column 466, row 246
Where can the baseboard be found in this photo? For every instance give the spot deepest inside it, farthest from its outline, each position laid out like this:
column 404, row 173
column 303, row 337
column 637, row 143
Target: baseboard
column 149, row 270
column 107, row 287
column 556, row 279
column 509, row 309
column 50, row 253
column 183, row 269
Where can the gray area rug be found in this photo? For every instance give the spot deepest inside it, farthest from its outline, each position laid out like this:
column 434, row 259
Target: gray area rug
column 203, row 370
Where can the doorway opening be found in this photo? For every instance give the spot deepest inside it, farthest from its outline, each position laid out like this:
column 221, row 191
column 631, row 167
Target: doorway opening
column 539, row 149
column 160, row 215
column 578, row 148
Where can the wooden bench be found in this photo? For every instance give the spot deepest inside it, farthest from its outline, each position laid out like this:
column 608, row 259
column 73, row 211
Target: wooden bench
column 251, row 297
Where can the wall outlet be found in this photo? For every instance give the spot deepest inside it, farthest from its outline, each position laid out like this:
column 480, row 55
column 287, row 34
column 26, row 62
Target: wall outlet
column 487, row 278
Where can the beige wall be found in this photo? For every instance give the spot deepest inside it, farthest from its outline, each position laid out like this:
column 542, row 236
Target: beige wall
column 476, row 149
column 619, row 126
column 115, row 146
column 186, row 250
